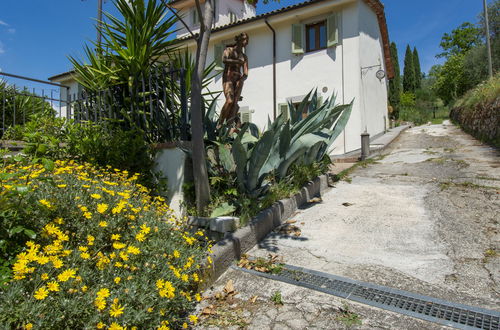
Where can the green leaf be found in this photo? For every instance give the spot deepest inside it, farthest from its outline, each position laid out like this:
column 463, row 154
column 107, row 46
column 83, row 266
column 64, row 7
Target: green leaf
column 30, row 233
column 223, row 209
column 48, row 164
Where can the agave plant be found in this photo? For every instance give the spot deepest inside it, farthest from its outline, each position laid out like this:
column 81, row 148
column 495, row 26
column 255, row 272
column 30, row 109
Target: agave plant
column 287, row 141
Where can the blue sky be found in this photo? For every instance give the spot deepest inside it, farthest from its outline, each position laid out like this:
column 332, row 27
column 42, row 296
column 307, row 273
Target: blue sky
column 36, row 36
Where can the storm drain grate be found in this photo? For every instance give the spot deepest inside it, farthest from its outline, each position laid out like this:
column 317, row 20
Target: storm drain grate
column 403, row 302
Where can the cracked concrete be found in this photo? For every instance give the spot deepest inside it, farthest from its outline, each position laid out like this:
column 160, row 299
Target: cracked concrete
column 422, row 219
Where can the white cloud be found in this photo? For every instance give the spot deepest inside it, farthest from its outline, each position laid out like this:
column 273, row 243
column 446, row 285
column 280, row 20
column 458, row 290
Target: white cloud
column 11, row 31
column 3, row 23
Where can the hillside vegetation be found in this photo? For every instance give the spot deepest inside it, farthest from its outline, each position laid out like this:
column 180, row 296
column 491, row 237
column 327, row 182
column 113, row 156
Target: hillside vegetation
column 478, row 111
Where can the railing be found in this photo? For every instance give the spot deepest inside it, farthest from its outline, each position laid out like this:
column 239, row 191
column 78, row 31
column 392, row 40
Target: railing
column 156, row 102
column 18, row 104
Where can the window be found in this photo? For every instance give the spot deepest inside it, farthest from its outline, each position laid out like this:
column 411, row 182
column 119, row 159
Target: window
column 316, row 36
column 232, row 17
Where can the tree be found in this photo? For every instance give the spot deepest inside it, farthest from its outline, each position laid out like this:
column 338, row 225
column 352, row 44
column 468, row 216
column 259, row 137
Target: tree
column 409, row 71
column 418, row 70
column 450, row 79
column 395, row 83
column 461, row 40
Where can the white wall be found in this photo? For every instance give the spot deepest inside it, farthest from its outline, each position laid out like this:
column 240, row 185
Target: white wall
column 241, row 9
column 336, row 68
column 373, row 90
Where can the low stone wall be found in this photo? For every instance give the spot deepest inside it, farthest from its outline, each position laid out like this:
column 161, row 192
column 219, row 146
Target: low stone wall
column 482, row 120
column 226, row 251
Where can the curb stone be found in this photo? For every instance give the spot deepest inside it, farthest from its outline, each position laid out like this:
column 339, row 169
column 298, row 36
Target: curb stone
column 235, row 244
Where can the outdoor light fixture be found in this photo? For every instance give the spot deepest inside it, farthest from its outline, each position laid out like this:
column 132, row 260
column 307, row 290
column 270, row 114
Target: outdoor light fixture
column 380, row 74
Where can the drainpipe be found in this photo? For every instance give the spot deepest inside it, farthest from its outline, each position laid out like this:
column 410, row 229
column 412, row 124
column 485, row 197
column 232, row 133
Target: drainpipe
column 274, row 67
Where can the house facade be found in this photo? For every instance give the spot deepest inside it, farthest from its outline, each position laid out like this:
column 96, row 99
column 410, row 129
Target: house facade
column 338, row 47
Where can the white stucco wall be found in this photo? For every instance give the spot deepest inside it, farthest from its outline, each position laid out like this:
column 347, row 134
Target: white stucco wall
column 241, row 9
column 373, row 91
column 337, row 68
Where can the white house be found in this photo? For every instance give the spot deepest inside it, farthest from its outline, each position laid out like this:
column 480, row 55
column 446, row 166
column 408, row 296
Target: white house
column 335, row 46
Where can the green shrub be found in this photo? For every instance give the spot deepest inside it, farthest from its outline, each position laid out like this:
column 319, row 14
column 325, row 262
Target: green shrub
column 102, row 144
column 106, row 254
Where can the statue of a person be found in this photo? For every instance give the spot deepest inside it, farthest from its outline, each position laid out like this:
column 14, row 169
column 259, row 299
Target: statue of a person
column 235, row 73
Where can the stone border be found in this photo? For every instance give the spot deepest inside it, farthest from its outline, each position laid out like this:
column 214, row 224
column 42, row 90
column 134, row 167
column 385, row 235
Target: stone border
column 235, row 244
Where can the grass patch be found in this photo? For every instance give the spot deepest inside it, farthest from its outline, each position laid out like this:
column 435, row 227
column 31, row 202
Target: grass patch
column 344, row 175
column 348, row 317
column 466, row 184
column 276, row 298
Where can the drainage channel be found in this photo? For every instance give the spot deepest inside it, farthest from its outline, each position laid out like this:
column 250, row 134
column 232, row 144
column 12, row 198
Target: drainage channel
column 403, row 302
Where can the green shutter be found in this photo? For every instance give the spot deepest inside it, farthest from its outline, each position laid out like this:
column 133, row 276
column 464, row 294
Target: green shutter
column 332, row 29
column 245, row 115
column 218, row 52
column 283, row 110
column 297, row 40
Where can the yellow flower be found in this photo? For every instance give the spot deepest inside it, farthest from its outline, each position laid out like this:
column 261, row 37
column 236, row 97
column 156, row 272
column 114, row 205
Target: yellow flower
column 66, row 275
column 124, row 256
column 176, row 254
column 87, row 215
column 103, row 224
column 103, row 293
column 193, row 319
column 96, row 196
column 83, row 248
column 45, row 203
column 116, row 310
column 101, row 208
column 118, row 245
column 53, row 286
column 115, row 237
column 41, row 293
column 85, row 255
column 90, row 240
column 195, row 277
column 44, row 276
column 28, row 326
column 62, row 185
column 184, row 325
column 115, row 326
column 140, row 237
column 150, row 309
column 133, row 250
column 100, row 303
column 145, row 229
column 197, row 297
column 100, row 325
column 185, row 278
column 59, row 220
column 84, row 288
column 117, row 280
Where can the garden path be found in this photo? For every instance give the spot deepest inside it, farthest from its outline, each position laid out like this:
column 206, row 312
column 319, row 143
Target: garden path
column 423, row 218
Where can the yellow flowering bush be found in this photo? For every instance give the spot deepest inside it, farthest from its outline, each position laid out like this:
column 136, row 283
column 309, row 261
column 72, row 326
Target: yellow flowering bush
column 106, row 255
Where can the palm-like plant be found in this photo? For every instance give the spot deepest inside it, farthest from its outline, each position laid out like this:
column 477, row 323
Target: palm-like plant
column 130, row 46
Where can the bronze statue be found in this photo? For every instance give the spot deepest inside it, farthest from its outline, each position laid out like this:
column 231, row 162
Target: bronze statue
column 235, row 61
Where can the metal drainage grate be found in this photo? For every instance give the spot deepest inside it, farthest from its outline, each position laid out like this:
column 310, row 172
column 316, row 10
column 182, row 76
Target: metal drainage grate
column 403, row 302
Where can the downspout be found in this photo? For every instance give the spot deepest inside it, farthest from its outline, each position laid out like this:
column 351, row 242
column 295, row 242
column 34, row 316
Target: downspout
column 274, row 67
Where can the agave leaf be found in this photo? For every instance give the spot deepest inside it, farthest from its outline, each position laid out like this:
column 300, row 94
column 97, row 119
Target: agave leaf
column 225, row 157
column 260, row 154
column 223, row 209
column 285, row 138
column 240, row 159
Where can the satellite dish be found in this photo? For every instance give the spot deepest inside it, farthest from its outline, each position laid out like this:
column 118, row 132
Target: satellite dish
column 380, row 74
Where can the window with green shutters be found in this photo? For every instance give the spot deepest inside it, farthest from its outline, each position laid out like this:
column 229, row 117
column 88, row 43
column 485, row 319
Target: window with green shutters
column 317, row 35
column 283, row 109
column 218, row 52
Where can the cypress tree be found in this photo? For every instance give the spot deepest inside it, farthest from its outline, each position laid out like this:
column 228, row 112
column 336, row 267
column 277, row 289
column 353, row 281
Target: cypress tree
column 418, row 71
column 409, row 72
column 395, row 83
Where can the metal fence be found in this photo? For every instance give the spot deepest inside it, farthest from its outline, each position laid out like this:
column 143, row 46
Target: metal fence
column 156, row 102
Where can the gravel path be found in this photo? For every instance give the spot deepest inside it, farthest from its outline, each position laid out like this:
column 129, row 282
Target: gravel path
column 423, row 218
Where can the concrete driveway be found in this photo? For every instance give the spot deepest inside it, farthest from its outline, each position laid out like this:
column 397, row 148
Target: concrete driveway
column 424, row 218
